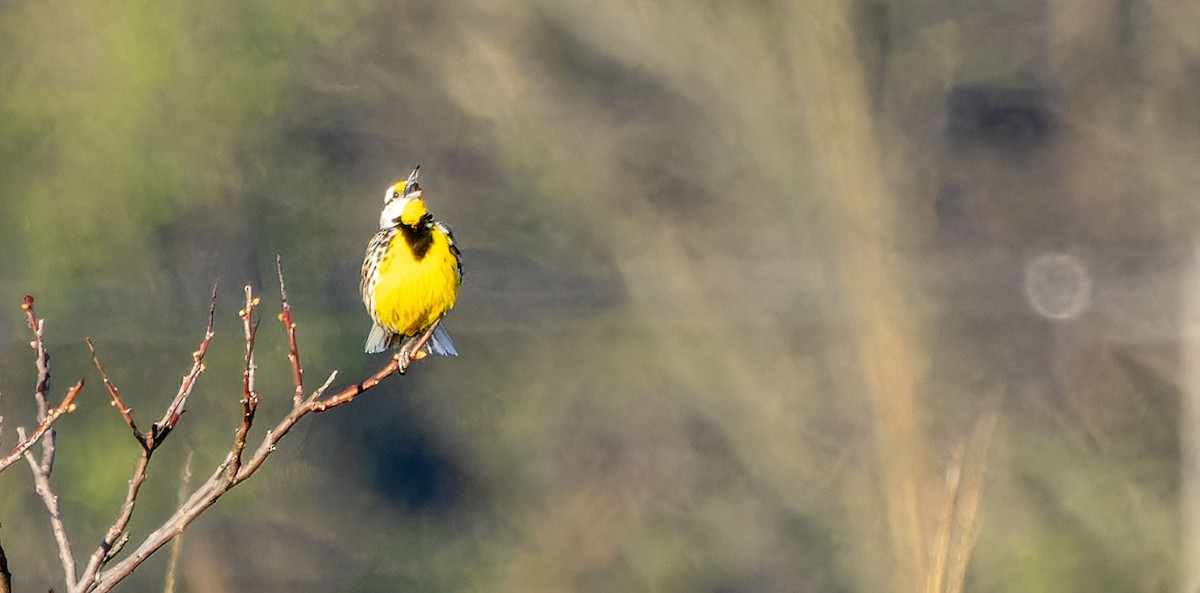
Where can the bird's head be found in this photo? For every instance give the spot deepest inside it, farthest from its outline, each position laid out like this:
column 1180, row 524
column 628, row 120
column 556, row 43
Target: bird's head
column 402, row 203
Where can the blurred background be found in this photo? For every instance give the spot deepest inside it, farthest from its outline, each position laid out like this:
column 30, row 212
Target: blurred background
column 828, row 296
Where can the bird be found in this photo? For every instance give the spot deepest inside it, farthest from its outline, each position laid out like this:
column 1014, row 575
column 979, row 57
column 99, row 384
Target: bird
column 411, row 274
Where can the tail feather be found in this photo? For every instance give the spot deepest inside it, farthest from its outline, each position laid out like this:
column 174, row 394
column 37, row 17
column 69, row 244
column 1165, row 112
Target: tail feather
column 440, row 343
column 378, row 340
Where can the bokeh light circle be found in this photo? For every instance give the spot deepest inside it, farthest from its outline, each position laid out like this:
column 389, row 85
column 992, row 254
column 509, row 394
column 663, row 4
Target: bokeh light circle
column 1058, row 286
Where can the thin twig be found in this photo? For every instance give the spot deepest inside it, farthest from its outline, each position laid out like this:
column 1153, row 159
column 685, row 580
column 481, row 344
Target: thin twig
column 46, row 416
column 249, row 395
column 116, row 397
column 160, row 429
column 51, row 416
column 293, row 352
column 399, row 364
column 42, row 357
column 348, row 394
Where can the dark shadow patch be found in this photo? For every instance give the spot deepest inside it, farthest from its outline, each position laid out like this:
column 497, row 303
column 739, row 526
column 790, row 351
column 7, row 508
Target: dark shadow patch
column 1010, row 120
column 409, row 468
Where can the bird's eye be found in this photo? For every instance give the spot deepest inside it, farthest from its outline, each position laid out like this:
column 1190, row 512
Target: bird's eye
column 395, row 194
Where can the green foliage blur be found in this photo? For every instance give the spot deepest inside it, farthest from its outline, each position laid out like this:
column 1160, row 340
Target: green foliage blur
column 665, row 382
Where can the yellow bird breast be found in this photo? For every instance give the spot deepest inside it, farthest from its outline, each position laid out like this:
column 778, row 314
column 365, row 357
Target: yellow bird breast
column 412, row 293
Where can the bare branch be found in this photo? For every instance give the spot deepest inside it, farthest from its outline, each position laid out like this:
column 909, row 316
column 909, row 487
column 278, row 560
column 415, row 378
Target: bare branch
column 44, row 433
column 348, row 394
column 41, row 482
column 221, row 480
column 103, row 571
column 116, row 536
column 293, row 353
column 408, row 353
column 115, row 532
column 276, row 434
